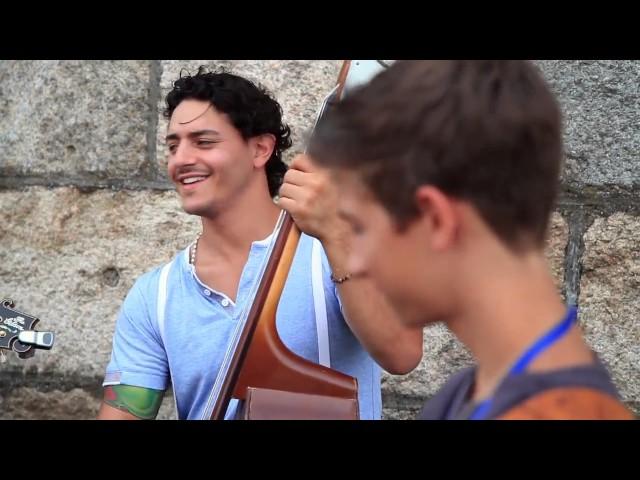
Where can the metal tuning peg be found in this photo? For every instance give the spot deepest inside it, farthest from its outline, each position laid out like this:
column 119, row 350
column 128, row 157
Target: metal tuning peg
column 38, row 339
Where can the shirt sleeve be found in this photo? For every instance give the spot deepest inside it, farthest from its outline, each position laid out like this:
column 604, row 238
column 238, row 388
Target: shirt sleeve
column 138, row 357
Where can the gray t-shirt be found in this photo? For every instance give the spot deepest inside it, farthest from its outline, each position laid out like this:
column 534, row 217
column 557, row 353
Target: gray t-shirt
column 452, row 402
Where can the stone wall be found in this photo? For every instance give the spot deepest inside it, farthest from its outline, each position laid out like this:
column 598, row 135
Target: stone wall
column 88, row 208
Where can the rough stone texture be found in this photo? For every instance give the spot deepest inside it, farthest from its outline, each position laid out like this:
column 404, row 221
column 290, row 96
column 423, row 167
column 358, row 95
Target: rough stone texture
column 556, row 247
column 601, row 104
column 609, row 301
column 70, row 258
column 31, row 404
column 444, row 355
column 70, row 119
column 299, row 86
column 167, row 409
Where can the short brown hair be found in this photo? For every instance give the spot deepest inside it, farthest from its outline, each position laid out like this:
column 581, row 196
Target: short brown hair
column 488, row 132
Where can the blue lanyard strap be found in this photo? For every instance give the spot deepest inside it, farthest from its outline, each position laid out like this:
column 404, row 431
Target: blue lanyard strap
column 544, row 342
column 532, row 352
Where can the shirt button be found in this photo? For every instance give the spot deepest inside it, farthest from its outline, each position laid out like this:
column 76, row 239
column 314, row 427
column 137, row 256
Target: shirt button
column 207, row 292
column 225, row 302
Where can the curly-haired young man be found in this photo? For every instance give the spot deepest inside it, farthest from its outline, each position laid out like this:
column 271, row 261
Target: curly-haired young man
column 225, row 140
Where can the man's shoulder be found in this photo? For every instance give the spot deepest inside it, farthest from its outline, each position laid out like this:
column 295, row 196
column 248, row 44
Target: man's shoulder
column 149, row 280
column 569, row 403
column 449, row 396
column 561, row 386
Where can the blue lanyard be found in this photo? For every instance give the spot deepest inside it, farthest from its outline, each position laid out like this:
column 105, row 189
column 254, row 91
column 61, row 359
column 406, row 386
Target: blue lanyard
column 543, row 343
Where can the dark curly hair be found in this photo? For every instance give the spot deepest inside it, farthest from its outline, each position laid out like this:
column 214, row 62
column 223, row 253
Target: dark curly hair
column 251, row 108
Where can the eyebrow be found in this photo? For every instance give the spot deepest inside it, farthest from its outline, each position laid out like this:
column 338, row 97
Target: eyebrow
column 197, row 133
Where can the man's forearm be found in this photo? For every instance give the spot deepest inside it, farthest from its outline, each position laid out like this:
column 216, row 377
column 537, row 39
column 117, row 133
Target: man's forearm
column 396, row 348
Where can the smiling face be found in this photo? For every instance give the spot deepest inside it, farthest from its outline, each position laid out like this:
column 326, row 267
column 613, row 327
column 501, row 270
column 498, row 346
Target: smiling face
column 208, row 160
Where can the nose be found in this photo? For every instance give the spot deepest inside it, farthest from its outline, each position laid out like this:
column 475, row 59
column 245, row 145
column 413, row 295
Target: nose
column 181, row 158
column 183, row 155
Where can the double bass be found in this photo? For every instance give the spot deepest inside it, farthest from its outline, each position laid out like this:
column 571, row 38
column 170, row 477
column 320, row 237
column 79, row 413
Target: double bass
column 258, row 369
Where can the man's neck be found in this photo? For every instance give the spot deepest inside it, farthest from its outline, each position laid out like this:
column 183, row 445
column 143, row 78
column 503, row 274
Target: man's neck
column 504, row 313
column 232, row 230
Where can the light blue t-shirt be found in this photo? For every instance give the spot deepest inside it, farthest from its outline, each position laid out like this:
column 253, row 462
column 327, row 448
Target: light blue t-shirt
column 188, row 348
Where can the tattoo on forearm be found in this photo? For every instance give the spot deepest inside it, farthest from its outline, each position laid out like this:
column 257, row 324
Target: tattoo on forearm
column 142, row 402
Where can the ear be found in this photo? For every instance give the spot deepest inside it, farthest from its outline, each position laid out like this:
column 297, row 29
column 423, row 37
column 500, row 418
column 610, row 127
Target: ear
column 439, row 216
column 263, row 146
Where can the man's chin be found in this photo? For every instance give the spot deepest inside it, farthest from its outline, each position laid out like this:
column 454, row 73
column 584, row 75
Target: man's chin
column 192, row 209
column 400, row 307
column 412, row 316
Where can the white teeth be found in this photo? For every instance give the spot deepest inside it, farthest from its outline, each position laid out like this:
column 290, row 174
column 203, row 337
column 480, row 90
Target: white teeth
column 187, row 181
